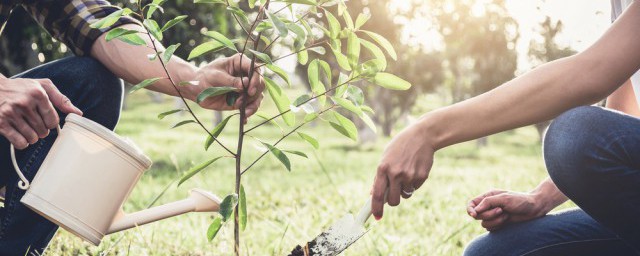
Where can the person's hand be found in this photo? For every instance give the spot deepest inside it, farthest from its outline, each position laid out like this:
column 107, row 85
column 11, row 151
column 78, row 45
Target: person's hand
column 228, row 72
column 27, row 109
column 498, row 208
column 404, row 167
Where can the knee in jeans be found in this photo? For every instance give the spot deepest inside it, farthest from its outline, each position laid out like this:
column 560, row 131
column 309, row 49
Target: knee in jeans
column 567, row 142
column 480, row 246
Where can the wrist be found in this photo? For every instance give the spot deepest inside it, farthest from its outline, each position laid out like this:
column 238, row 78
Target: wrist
column 542, row 201
column 431, row 131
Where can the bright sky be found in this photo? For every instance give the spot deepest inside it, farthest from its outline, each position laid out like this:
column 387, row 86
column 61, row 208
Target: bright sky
column 584, row 21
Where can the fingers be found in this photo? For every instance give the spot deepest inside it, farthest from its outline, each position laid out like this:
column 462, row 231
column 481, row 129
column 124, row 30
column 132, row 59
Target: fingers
column 394, row 190
column 379, row 188
column 474, row 202
column 490, row 214
column 253, row 106
column 33, row 119
column 491, row 202
column 58, row 99
column 496, row 223
column 14, row 137
column 25, row 130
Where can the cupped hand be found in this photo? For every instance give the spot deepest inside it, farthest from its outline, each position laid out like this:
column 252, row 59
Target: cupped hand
column 404, row 167
column 27, row 109
column 232, row 72
column 498, row 208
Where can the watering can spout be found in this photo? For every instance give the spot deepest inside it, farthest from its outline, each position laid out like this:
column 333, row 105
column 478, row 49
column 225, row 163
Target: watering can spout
column 198, row 201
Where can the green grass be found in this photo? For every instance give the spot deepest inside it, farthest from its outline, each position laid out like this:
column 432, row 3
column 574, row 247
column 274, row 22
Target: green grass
column 286, row 209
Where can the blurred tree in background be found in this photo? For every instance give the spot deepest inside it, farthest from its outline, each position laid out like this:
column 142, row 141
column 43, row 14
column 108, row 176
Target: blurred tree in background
column 475, row 54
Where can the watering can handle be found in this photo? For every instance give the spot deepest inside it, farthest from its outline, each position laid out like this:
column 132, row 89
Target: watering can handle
column 24, row 182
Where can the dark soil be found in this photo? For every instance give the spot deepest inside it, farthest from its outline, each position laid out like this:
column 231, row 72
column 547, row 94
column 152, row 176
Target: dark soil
column 304, row 251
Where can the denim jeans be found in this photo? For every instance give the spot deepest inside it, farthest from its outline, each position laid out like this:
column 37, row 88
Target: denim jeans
column 98, row 93
column 593, row 156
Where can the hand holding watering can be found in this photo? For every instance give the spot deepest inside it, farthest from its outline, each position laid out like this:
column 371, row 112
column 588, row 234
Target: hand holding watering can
column 86, row 177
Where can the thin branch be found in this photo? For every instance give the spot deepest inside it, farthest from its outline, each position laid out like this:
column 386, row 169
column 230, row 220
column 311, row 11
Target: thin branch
column 285, row 136
column 304, row 102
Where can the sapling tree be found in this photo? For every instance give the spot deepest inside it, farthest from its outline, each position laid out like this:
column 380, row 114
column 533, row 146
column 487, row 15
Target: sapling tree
column 299, row 25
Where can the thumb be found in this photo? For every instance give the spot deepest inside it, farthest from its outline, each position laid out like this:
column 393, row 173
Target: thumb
column 58, row 99
column 489, row 203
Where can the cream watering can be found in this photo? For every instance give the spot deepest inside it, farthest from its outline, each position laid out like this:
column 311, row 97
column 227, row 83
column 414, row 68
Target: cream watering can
column 89, row 173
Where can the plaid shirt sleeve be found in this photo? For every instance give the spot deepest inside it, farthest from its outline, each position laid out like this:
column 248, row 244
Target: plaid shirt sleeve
column 69, row 20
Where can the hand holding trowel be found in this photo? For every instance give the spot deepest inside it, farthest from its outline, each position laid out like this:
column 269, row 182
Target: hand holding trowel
column 339, row 236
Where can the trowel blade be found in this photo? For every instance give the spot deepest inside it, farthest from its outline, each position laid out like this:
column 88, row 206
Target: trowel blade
column 337, row 238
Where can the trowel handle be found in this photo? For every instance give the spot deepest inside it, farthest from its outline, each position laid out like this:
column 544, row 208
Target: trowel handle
column 365, row 211
column 24, row 182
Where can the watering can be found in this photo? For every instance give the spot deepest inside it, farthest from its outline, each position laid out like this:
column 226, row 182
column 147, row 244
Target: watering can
column 87, row 176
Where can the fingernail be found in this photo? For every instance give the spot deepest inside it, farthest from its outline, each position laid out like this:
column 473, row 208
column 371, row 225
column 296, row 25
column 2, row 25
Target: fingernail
column 377, row 217
column 252, row 91
column 499, row 210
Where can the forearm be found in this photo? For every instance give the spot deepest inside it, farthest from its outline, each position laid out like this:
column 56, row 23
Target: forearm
column 548, row 196
column 132, row 64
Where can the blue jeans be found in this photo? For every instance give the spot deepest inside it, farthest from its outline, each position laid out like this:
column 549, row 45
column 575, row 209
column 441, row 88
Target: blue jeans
column 593, row 156
column 98, row 93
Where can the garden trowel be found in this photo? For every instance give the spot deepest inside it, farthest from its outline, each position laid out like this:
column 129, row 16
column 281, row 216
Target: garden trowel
column 339, row 236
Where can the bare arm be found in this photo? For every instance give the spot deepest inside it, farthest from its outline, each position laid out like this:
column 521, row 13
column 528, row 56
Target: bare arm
column 539, row 95
column 132, row 64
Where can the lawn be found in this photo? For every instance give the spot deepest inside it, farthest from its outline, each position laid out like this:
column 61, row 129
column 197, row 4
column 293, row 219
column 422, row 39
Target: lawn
column 286, row 209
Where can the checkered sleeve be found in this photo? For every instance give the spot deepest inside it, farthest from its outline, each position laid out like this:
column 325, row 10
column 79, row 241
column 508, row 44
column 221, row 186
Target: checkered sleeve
column 69, row 20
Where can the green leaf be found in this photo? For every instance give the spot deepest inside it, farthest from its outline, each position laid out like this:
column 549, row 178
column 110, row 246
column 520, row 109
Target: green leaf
column 171, row 112
column 367, row 120
column 307, row 2
column 118, row 32
column 252, row 4
column 132, row 39
column 281, row 101
column 264, row 25
column 222, row 39
column 342, row 60
column 342, row 85
column 242, row 209
column 143, row 84
column 278, row 24
column 262, row 56
column 318, row 49
column 356, row 95
column 153, row 6
column 196, row 169
column 310, row 117
column 209, row 2
column 232, row 97
column 384, row 43
column 301, row 35
column 391, row 81
column 213, row 229
column 297, row 153
column 205, row 48
column 303, row 57
column 173, row 22
column 227, row 205
column 348, row 105
column 334, row 25
column 362, row 19
column 348, row 20
column 280, row 72
column 279, row 154
column 240, row 14
column 214, row 91
column 376, row 52
column 353, row 49
column 153, row 27
column 216, row 132
column 345, row 126
column 312, row 141
column 267, row 118
column 182, row 123
column 367, row 109
column 168, row 53
column 111, row 19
